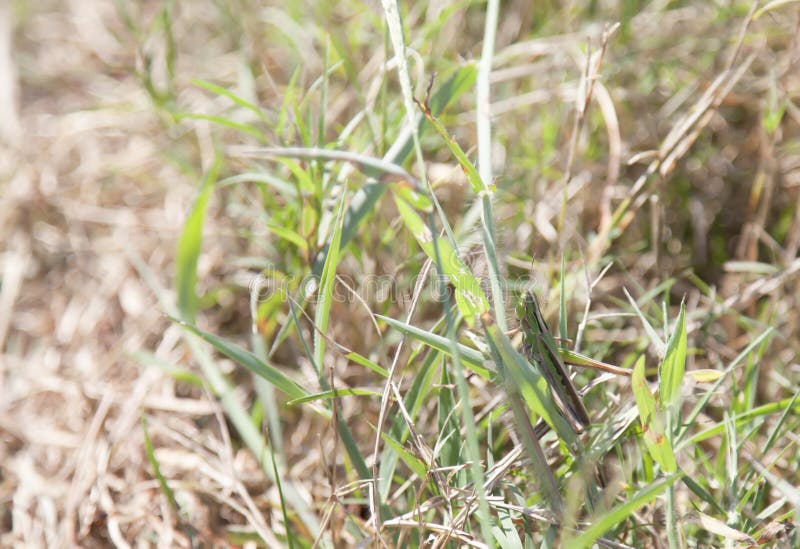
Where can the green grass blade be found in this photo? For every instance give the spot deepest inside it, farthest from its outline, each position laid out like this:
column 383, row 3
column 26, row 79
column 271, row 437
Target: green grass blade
column 250, row 361
column 473, row 177
column 448, row 450
column 222, row 121
column 657, row 342
column 653, row 428
column 151, row 457
column 670, row 373
column 743, row 419
column 689, row 420
column 617, row 515
column 213, row 88
column 285, row 188
column 364, row 200
column 279, row 485
column 189, row 245
column 367, row 363
column 419, row 467
column 333, row 393
column 177, row 373
column 413, row 400
column 376, row 168
column 325, row 292
column 472, row 358
column 470, row 298
column 287, row 234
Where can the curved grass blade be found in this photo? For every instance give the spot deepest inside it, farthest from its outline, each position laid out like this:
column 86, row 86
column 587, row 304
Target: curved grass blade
column 284, row 187
column 249, row 360
column 364, row 200
column 367, row 363
column 219, row 90
column 620, row 513
column 162, row 481
column 222, row 121
column 379, row 169
column 333, row 393
column 189, row 245
column 473, row 359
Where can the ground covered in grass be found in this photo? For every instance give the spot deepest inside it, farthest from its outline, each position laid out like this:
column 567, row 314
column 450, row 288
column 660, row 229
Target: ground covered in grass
column 244, row 301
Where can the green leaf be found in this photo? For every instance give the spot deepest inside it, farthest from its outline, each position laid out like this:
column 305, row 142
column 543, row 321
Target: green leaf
column 213, row 88
column 285, row 188
column 470, row 298
column 146, row 358
column 250, row 361
column 334, row 393
column 653, row 429
column 413, row 400
column 189, row 245
column 473, row 359
column 670, row 372
column 648, row 328
column 325, row 293
column 364, row 361
column 469, row 169
column 617, row 515
column 222, row 121
column 420, row 201
column 287, row 234
column 151, row 457
column 415, row 464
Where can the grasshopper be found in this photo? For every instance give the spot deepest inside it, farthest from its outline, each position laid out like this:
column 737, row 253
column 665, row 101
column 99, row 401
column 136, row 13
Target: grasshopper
column 539, row 347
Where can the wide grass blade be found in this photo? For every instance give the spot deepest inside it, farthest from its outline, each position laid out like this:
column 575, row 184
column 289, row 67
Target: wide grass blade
column 619, row 514
column 473, row 359
column 364, row 200
column 670, row 372
column 189, row 245
column 250, row 361
column 653, row 426
column 470, row 298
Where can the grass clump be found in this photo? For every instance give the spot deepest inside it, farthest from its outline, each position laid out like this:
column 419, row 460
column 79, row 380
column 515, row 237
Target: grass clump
column 396, row 228
column 438, row 431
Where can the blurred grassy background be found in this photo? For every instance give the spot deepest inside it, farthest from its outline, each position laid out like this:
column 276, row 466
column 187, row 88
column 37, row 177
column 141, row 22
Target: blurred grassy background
column 117, row 123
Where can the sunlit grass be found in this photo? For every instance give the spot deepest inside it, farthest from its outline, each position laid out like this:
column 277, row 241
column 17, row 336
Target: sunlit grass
column 424, row 423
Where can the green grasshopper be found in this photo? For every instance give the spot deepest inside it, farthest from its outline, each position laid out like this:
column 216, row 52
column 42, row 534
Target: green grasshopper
column 539, row 347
